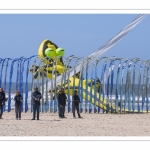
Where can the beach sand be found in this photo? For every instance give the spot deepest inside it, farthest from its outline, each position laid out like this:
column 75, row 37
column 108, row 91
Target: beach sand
column 90, row 125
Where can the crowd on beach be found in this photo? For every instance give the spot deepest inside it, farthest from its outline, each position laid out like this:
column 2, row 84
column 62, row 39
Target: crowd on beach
column 36, row 97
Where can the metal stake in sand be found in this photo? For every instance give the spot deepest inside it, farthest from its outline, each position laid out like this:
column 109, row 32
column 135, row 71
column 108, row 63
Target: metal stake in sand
column 86, row 95
column 104, row 86
column 51, row 100
column 135, row 60
column 97, row 61
column 10, row 83
column 63, row 79
column 117, row 84
column 40, row 75
column 68, row 81
column 80, row 87
column 64, row 71
column 26, row 95
column 75, row 73
column 111, row 81
column 32, row 83
column 2, row 65
column 5, row 86
column 112, row 59
column 47, row 99
column 55, row 87
column 92, row 76
column 43, row 103
column 121, row 85
column 95, row 95
column 144, row 85
column 139, row 86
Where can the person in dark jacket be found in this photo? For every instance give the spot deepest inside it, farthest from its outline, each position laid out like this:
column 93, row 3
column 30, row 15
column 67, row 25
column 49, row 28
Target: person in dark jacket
column 6, row 98
column 61, row 97
column 2, row 102
column 65, row 99
column 18, row 103
column 36, row 96
column 75, row 104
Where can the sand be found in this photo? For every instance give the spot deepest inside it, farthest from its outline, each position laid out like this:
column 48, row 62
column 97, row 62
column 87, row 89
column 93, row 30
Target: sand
column 90, row 125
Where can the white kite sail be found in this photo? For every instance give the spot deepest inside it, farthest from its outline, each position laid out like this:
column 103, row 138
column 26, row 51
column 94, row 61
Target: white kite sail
column 103, row 48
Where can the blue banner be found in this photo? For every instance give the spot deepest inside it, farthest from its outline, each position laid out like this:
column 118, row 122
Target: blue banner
column 144, row 87
column 101, row 88
column 10, row 84
column 104, row 88
column 92, row 77
column 95, row 92
column 5, row 81
column 111, row 88
column 133, row 89
column 121, row 85
column 1, row 70
column 139, row 86
column 117, row 86
column 86, row 98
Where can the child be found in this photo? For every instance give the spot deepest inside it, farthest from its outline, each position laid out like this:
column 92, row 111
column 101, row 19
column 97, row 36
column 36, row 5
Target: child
column 18, row 103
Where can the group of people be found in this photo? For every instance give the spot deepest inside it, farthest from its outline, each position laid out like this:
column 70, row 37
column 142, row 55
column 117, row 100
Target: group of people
column 18, row 103
column 36, row 97
column 62, row 98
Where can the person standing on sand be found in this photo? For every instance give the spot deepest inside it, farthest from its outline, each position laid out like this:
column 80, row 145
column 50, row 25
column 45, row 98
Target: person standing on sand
column 18, row 103
column 61, row 97
column 36, row 96
column 64, row 100
column 2, row 102
column 60, row 104
column 5, row 99
column 75, row 104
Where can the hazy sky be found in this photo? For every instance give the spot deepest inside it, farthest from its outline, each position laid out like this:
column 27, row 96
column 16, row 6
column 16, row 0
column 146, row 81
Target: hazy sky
column 78, row 34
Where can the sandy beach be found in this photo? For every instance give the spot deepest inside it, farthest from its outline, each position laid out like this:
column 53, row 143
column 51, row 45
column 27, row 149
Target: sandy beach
column 90, row 125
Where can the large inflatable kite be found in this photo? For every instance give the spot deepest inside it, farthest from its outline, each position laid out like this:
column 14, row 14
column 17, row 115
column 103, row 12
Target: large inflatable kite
column 52, row 57
column 48, row 52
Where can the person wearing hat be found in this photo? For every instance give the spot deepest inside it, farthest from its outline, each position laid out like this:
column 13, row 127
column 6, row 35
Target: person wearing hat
column 36, row 96
column 75, row 104
column 18, row 103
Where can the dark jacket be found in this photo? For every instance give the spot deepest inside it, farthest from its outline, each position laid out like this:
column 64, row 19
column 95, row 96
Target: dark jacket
column 2, row 98
column 18, row 100
column 75, row 100
column 61, row 99
column 36, row 95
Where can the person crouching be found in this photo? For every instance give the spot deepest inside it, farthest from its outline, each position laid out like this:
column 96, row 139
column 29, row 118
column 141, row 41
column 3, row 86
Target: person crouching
column 18, row 103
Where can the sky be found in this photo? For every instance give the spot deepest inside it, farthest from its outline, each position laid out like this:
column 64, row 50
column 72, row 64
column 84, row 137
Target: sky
column 78, row 34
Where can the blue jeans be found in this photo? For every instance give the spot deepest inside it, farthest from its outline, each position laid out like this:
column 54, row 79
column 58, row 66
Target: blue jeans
column 63, row 111
column 75, row 108
column 18, row 111
column 1, row 111
column 36, row 108
column 60, row 111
